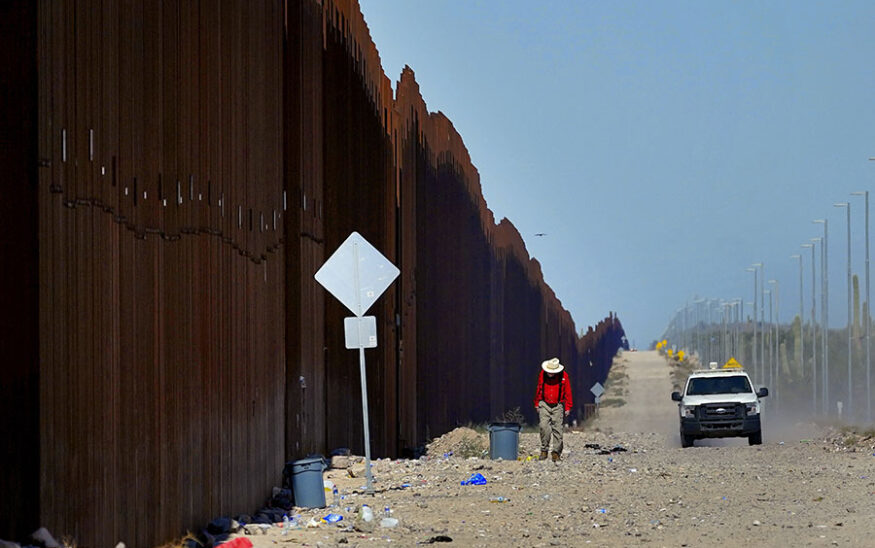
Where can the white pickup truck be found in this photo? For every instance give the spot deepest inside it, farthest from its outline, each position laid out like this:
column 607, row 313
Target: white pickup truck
column 719, row 403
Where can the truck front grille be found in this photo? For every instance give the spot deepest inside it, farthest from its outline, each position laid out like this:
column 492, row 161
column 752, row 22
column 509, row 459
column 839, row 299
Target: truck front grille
column 721, row 411
column 721, row 416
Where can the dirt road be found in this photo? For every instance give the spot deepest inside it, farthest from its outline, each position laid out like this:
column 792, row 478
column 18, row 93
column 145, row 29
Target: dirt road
column 646, row 393
column 625, row 481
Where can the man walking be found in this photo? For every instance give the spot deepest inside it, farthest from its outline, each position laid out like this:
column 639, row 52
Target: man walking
column 553, row 402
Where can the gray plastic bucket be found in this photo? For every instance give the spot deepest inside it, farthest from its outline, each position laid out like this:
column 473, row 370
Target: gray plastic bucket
column 307, row 483
column 504, row 440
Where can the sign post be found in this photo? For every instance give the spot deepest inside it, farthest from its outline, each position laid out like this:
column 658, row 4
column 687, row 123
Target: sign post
column 597, row 391
column 357, row 274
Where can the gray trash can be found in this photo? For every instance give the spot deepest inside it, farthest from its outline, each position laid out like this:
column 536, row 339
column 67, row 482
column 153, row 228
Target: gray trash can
column 504, row 440
column 307, row 483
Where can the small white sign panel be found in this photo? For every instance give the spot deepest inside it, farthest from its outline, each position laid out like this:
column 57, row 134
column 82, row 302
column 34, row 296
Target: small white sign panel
column 597, row 389
column 360, row 332
column 357, row 263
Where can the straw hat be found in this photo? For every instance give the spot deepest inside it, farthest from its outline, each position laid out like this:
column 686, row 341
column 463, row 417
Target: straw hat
column 552, row 366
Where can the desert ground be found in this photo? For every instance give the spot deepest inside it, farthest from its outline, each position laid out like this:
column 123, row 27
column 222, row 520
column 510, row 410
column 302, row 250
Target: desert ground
column 623, row 480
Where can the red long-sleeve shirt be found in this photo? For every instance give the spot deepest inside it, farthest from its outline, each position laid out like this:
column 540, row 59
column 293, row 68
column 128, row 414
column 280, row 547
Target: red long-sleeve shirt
column 552, row 389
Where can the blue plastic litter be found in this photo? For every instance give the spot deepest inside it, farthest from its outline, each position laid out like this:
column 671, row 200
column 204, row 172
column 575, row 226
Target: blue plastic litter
column 475, row 479
column 332, row 518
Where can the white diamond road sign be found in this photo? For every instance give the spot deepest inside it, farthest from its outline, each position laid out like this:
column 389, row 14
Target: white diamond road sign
column 357, row 274
column 597, row 389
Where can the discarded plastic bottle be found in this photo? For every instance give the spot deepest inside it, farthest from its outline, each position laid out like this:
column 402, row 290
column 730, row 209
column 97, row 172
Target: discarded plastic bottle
column 367, row 513
column 388, row 522
column 386, row 512
column 335, row 497
column 498, row 499
column 287, row 524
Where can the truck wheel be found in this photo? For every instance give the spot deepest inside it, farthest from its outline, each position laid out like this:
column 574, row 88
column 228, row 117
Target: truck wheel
column 756, row 438
column 686, row 441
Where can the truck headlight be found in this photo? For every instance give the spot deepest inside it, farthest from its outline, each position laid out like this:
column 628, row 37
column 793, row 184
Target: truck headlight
column 753, row 408
column 688, row 411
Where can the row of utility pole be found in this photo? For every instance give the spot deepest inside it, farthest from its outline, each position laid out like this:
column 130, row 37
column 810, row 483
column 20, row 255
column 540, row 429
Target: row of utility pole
column 680, row 333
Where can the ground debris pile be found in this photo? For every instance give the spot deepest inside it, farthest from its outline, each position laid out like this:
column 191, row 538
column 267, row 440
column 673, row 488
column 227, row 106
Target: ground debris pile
column 462, row 442
column 849, row 440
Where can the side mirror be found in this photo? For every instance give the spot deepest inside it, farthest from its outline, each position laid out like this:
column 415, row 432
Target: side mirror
column 762, row 392
column 676, row 396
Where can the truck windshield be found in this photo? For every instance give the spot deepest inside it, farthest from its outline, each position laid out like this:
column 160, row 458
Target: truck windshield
column 704, row 386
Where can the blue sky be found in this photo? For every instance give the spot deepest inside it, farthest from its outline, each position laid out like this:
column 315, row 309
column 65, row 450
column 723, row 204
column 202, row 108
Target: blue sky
column 662, row 146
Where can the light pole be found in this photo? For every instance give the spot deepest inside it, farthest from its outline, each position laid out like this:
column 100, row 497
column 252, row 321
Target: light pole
column 739, row 314
column 800, row 356
column 709, row 330
column 813, row 326
column 739, row 341
column 868, row 314
column 688, row 329
column 714, row 306
column 685, row 343
column 731, row 348
column 731, row 327
column 696, row 344
column 724, row 330
column 767, row 378
column 727, row 338
column 847, row 207
column 824, row 306
column 753, row 346
column 762, row 324
column 697, row 302
column 689, row 322
column 777, row 342
column 763, row 319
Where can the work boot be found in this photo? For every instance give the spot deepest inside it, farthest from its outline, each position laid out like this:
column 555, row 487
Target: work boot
column 556, row 457
column 543, row 456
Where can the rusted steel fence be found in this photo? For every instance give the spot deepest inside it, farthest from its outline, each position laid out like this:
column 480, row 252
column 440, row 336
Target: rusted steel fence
column 19, row 277
column 162, row 384
column 198, row 162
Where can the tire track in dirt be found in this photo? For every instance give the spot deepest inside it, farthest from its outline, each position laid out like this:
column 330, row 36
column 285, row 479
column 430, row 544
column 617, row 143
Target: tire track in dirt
column 647, row 395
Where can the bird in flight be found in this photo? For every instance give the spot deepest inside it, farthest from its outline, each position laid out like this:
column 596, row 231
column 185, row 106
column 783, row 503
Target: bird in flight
column 541, row 234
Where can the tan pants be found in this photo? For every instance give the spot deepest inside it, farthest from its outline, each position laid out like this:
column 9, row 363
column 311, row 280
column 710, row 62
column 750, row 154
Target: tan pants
column 550, row 419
